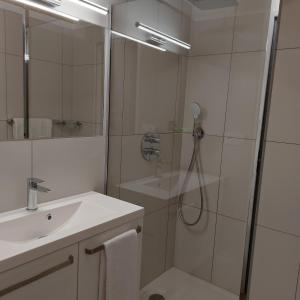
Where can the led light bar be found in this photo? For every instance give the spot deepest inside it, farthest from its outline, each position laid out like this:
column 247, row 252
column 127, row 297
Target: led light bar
column 137, row 40
column 47, row 9
column 162, row 35
column 91, row 5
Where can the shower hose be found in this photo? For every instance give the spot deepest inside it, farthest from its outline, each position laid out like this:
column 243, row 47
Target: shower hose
column 195, row 162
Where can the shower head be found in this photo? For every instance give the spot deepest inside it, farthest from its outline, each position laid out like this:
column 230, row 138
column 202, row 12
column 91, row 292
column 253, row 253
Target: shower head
column 196, row 110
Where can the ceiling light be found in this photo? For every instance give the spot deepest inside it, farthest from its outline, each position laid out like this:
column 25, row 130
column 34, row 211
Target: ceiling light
column 47, row 9
column 162, row 35
column 91, row 5
column 138, row 41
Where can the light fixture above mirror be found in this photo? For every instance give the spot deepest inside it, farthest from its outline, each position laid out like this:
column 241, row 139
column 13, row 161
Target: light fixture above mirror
column 162, row 35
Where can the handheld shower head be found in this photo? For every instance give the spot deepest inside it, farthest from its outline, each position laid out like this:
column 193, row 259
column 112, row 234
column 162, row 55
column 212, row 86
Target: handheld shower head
column 196, row 110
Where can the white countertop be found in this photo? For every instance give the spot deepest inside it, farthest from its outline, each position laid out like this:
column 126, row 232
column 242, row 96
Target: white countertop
column 94, row 214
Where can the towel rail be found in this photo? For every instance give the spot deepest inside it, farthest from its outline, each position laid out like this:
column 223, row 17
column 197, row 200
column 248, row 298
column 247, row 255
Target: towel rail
column 101, row 247
column 39, row 276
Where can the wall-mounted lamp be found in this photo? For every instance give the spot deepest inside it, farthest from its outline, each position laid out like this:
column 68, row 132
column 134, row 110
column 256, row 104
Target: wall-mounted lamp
column 162, row 35
column 91, row 5
column 138, row 41
column 47, row 9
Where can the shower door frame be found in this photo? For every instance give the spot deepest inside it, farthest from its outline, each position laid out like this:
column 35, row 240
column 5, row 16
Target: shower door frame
column 271, row 45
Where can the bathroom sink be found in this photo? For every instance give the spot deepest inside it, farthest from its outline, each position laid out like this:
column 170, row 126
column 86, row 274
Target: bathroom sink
column 37, row 224
column 25, row 235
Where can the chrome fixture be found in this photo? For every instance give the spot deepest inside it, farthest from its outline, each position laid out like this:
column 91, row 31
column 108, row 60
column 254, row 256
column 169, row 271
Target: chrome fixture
column 33, row 188
column 52, row 2
column 213, row 4
column 101, row 248
column 91, row 5
column 47, row 9
column 162, row 35
column 195, row 162
column 128, row 37
column 150, row 147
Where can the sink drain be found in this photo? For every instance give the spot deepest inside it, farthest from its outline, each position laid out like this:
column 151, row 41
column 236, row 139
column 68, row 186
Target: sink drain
column 156, row 297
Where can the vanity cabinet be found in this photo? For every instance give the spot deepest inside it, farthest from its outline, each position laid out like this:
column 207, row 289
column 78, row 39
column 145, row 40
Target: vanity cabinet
column 51, row 277
column 91, row 269
column 67, row 274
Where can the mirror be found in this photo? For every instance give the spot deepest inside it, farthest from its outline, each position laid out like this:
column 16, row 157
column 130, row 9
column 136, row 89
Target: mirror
column 66, row 73
column 55, row 88
column 11, row 71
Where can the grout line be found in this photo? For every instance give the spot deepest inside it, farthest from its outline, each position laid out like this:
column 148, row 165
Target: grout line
column 288, row 48
column 222, row 147
column 282, row 142
column 277, row 230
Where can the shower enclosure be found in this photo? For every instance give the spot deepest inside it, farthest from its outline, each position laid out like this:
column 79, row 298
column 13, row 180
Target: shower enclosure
column 184, row 136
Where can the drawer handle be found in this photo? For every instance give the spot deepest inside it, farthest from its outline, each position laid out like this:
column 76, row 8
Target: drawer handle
column 101, row 247
column 32, row 279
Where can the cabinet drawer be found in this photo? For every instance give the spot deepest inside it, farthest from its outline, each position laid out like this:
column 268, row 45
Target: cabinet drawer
column 50, row 277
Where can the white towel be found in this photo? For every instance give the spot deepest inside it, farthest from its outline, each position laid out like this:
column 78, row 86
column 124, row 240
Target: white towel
column 18, row 128
column 122, row 267
column 40, row 128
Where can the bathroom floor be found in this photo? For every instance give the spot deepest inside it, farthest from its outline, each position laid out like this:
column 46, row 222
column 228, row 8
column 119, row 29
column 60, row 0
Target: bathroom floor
column 178, row 285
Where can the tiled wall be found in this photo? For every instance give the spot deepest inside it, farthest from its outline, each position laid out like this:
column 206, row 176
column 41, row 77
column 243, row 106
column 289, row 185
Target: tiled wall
column 144, row 99
column 276, row 264
column 224, row 75
column 65, row 74
column 11, row 70
column 152, row 92
column 68, row 166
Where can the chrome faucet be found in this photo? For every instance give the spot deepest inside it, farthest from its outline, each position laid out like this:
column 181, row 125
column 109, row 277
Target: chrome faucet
column 33, row 188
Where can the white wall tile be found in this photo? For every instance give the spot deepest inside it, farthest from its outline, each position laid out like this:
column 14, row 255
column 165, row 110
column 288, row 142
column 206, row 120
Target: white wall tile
column 289, row 22
column 14, row 77
column 153, row 104
column 210, row 156
column 114, row 165
column 154, row 245
column 46, row 42
column 14, row 33
column 15, row 160
column 236, row 174
column 3, row 131
column 84, row 93
column 194, row 245
column 2, row 31
column 284, row 118
column 229, row 254
column 67, row 90
column 244, row 94
column 135, row 167
column 275, row 266
column 170, row 252
column 212, row 35
column 117, row 86
column 207, row 84
column 69, row 166
column 279, row 206
column 251, row 27
column 2, row 87
column 45, row 89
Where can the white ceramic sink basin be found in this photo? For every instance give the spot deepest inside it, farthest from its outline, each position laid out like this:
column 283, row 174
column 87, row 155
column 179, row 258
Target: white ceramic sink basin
column 25, row 235
column 38, row 224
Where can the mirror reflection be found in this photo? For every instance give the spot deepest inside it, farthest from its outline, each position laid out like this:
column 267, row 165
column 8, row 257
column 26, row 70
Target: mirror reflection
column 65, row 78
column 59, row 92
